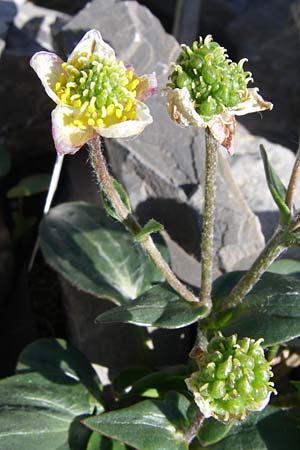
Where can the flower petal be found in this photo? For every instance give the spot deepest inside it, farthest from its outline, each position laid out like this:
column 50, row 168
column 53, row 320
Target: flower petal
column 92, row 43
column 67, row 137
column 146, row 87
column 253, row 103
column 129, row 127
column 48, row 68
column 181, row 108
column 222, row 127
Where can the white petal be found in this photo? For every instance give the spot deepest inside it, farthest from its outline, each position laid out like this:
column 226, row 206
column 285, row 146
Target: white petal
column 253, row 103
column 146, row 87
column 181, row 108
column 67, row 138
column 222, row 127
column 92, row 43
column 129, row 127
column 48, row 68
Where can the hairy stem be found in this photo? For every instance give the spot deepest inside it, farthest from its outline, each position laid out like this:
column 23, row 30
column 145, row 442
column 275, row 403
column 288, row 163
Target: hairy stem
column 208, row 219
column 293, row 181
column 272, row 250
column 131, row 222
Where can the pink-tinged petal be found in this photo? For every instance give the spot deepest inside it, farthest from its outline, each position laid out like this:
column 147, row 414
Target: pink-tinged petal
column 146, row 87
column 222, row 127
column 129, row 127
column 92, row 43
column 68, row 139
column 253, row 103
column 181, row 108
column 48, row 68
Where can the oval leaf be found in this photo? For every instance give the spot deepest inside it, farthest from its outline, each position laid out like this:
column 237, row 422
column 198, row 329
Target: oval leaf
column 38, row 412
column 270, row 429
column 271, row 310
column 212, row 431
column 150, row 424
column 58, row 358
column 159, row 307
column 98, row 442
column 285, row 267
column 96, row 254
column 34, row 184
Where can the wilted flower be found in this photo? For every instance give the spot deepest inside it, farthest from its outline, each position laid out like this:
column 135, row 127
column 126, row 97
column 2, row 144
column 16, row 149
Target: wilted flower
column 94, row 93
column 207, row 89
column 233, row 378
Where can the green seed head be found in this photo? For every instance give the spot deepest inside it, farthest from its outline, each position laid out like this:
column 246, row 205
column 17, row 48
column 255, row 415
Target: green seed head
column 214, row 82
column 233, row 378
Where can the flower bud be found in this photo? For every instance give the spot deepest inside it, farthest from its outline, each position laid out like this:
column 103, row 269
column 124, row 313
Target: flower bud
column 233, row 378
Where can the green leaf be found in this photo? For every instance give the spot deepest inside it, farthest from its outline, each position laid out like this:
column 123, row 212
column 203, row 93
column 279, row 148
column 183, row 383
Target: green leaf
column 5, row 161
column 37, row 412
column 296, row 385
column 212, row 431
column 276, row 187
column 285, row 267
column 171, row 378
column 123, row 196
column 28, row 186
column 150, row 424
column 159, row 307
column 98, row 442
column 271, row 310
column 96, row 254
column 270, row 429
column 152, row 226
column 56, row 358
column 125, row 379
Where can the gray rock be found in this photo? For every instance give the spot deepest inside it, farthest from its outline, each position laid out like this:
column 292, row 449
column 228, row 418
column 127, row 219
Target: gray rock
column 247, row 170
column 267, row 33
column 8, row 11
column 39, row 23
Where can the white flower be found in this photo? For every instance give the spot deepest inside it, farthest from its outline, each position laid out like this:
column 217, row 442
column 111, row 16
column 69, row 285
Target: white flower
column 222, row 126
column 207, row 89
column 94, row 93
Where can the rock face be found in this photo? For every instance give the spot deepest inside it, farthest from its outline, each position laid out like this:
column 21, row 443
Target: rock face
column 267, row 33
column 248, row 173
column 163, row 169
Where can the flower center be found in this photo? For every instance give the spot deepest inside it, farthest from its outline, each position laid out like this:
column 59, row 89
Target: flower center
column 101, row 91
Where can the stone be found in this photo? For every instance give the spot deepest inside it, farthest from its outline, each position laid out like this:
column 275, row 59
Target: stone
column 39, row 23
column 8, row 11
column 267, row 33
column 248, row 172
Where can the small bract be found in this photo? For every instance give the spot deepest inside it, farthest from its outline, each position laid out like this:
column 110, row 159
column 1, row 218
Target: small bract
column 94, row 93
column 207, row 89
column 233, row 378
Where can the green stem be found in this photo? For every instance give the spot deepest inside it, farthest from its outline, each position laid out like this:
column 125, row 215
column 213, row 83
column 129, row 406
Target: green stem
column 208, row 219
column 131, row 223
column 272, row 250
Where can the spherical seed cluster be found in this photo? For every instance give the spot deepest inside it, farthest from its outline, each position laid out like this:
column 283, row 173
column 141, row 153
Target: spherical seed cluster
column 233, row 378
column 102, row 91
column 214, row 82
